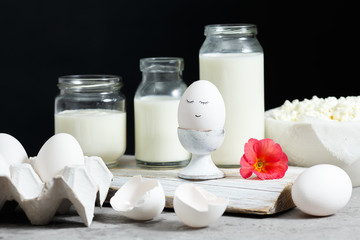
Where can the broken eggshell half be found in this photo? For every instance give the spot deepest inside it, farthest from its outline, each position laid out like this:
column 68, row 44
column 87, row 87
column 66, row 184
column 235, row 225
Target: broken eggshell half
column 196, row 207
column 139, row 199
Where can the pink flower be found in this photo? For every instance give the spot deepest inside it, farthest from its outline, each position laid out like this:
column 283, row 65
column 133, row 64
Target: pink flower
column 264, row 158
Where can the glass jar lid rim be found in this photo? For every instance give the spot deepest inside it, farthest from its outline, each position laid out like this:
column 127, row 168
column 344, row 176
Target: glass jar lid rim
column 163, row 59
column 89, row 81
column 93, row 77
column 231, row 28
column 162, row 64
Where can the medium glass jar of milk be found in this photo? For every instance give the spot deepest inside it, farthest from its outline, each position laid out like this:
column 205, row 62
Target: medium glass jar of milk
column 92, row 109
column 232, row 58
column 155, row 106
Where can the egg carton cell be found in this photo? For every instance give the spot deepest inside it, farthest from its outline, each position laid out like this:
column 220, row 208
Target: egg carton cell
column 78, row 185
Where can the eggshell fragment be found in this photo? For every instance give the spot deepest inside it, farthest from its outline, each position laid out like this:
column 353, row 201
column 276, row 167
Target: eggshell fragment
column 139, row 199
column 12, row 150
column 59, row 151
column 322, row 190
column 196, row 207
column 201, row 107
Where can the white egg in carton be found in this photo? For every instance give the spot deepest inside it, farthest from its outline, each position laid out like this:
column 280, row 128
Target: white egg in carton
column 60, row 176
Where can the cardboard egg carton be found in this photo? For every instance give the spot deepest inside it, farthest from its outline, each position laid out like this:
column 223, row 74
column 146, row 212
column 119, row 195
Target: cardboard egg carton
column 78, row 185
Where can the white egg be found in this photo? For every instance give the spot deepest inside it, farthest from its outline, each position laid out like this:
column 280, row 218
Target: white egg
column 57, row 152
column 322, row 190
column 201, row 107
column 196, row 207
column 4, row 167
column 12, row 150
column 139, row 199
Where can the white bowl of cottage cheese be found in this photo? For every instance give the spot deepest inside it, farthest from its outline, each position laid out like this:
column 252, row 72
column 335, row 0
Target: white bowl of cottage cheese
column 319, row 130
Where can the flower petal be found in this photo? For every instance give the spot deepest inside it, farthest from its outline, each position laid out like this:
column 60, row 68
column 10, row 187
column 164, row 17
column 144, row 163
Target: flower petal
column 246, row 172
column 274, row 170
column 246, row 169
column 273, row 160
column 249, row 150
column 270, row 175
column 269, row 150
column 244, row 162
column 281, row 167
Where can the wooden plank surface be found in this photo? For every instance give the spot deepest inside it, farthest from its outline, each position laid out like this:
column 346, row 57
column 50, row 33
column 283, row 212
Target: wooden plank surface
column 249, row 196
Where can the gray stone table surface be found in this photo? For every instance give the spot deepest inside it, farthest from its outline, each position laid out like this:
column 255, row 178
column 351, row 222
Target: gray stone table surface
column 108, row 224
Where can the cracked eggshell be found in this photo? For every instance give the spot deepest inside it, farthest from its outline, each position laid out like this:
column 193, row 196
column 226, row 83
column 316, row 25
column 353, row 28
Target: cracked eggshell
column 12, row 150
column 139, row 199
column 196, row 207
column 322, row 190
column 201, row 107
column 59, row 151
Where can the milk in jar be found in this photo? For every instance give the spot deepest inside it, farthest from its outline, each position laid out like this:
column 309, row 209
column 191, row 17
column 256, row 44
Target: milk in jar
column 100, row 132
column 92, row 109
column 233, row 60
column 156, row 130
column 155, row 110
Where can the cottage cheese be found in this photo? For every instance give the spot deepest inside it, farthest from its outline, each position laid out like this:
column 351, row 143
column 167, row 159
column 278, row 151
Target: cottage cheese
column 318, row 131
column 344, row 109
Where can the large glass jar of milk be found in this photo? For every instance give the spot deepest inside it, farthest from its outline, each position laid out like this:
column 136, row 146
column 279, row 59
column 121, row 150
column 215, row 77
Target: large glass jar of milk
column 155, row 106
column 232, row 58
column 92, row 109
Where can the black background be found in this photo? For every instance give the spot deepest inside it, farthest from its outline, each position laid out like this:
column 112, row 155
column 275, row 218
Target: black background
column 310, row 49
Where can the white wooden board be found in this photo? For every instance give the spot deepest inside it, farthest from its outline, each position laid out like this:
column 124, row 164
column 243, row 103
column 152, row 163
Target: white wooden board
column 249, row 196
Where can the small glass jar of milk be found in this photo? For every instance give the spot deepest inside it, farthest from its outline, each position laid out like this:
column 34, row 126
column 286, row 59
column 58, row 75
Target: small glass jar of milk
column 232, row 58
column 156, row 104
column 92, row 109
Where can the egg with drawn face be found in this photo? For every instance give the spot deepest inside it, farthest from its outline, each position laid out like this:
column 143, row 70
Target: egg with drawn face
column 201, row 107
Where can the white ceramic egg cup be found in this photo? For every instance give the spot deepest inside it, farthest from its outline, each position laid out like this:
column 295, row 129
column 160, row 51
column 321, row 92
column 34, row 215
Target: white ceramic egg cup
column 201, row 143
column 78, row 185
